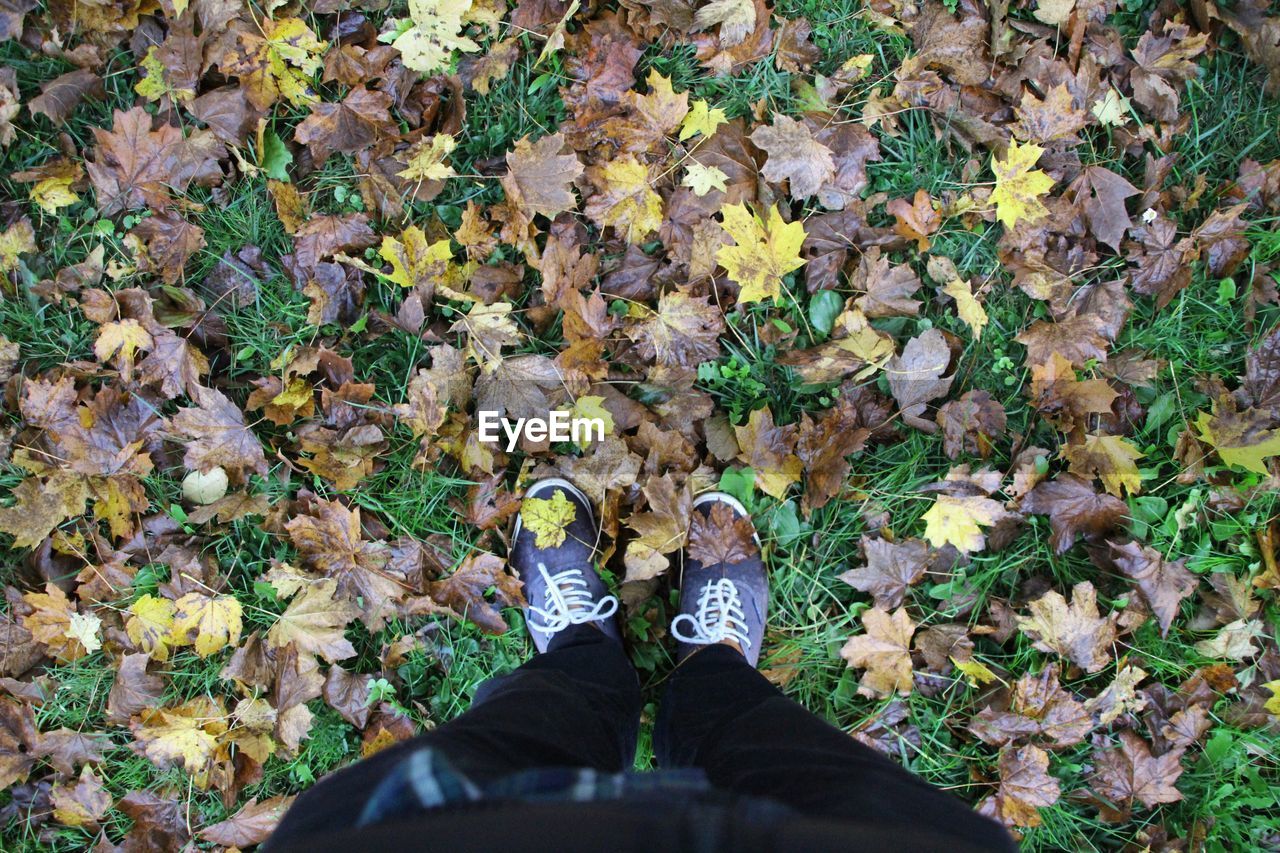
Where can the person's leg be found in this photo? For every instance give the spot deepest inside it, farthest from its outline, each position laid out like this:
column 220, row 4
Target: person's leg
column 576, row 705
column 718, row 713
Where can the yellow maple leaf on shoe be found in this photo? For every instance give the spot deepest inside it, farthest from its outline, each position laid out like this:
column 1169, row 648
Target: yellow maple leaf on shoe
column 547, row 518
column 1019, row 185
column 764, row 251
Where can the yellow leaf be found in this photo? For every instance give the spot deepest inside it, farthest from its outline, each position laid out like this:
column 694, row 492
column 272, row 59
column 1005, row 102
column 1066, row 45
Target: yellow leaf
column 82, row 803
column 547, row 519
column 187, row 734
column 967, row 305
column 703, row 179
column 763, row 251
column 17, row 239
column 428, row 45
column 627, row 201
column 1237, row 440
column 208, row 623
column 413, row 260
column 975, row 672
column 121, row 338
column 154, row 86
column 489, row 328
column 1273, row 704
column 702, row 118
column 1111, row 109
column 53, row 194
column 281, row 62
column 150, row 625
column 591, row 408
column 959, row 521
column 426, row 160
column 1019, row 186
column 1110, row 458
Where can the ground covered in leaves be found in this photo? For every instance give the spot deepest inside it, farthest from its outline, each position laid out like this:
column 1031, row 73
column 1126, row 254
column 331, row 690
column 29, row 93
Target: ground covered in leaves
column 973, row 306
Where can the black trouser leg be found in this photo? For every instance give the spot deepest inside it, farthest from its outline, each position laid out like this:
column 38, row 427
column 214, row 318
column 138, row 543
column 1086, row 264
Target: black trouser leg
column 722, row 715
column 578, row 705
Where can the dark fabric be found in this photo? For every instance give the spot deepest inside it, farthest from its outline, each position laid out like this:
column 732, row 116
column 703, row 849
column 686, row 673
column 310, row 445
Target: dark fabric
column 578, row 705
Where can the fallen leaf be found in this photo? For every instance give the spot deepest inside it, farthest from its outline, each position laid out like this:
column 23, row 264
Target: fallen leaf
column 884, row 651
column 1075, row 631
column 1019, row 186
column 764, row 251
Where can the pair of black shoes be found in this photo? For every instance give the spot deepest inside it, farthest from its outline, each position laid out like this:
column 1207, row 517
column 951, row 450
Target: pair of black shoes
column 720, row 602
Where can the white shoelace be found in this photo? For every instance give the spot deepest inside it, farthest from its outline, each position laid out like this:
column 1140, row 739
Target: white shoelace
column 568, row 601
column 719, row 617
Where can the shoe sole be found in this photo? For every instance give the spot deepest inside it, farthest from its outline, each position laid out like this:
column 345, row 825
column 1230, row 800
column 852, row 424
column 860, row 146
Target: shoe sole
column 730, row 501
column 552, row 482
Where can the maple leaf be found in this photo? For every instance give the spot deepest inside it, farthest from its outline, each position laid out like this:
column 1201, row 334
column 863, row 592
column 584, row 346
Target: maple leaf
column 721, row 536
column 684, row 331
column 40, row 507
column 415, row 262
column 967, row 305
column 1025, row 788
column 661, row 530
column 314, row 622
column 348, row 126
column 915, row 376
column 887, row 287
column 218, row 437
column 1132, row 772
column 1120, row 696
column 763, row 251
column 1039, row 708
column 624, row 199
column 19, row 741
column 1240, row 438
column 1110, row 458
column 18, row 239
column 328, row 538
column 83, row 803
column 702, row 118
column 958, row 521
column 892, row 567
column 134, row 689
column 1162, row 583
column 1075, row 509
column 136, row 167
column 489, row 328
column 121, row 340
column 209, row 623
column 769, row 451
column 737, row 19
column 971, row 424
column 539, row 177
column 150, row 625
column 464, row 591
column 916, row 219
column 427, row 46
column 251, row 825
column 1019, row 186
column 548, row 518
column 794, row 156
column 425, row 159
column 186, row 735
column 703, row 179
column 276, row 59
column 1075, row 631
column 1051, row 119
column 1234, row 641
column 884, row 651
column 55, row 623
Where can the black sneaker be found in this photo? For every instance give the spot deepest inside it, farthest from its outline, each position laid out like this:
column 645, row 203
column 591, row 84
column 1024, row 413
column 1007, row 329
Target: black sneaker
column 561, row 585
column 723, row 600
